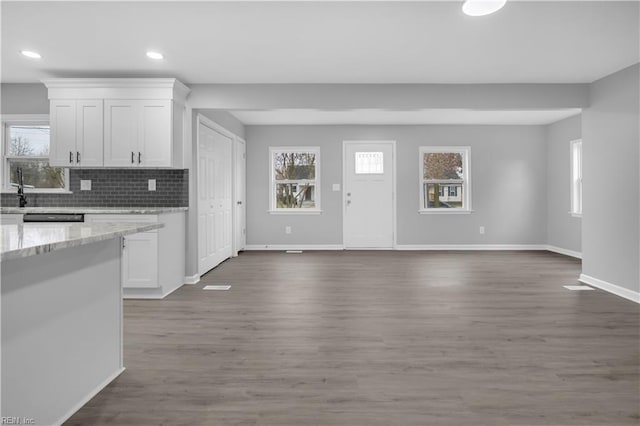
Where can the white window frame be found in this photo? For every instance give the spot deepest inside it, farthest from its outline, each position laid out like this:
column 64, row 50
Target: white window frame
column 273, row 209
column 25, row 120
column 575, row 176
column 465, row 151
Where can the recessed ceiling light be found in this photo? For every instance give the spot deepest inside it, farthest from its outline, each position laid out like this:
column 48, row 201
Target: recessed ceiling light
column 154, row 55
column 31, row 54
column 482, row 7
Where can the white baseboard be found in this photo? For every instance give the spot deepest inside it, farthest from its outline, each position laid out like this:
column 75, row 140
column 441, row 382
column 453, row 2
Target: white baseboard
column 88, row 397
column 566, row 252
column 193, row 279
column 408, row 247
column 445, row 247
column 611, row 288
column 284, row 247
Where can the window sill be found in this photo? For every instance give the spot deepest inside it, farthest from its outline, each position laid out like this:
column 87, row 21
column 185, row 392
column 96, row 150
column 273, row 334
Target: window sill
column 445, row 211
column 578, row 215
column 296, row 211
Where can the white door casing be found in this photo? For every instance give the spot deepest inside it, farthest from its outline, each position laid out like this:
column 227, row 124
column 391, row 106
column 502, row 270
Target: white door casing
column 369, row 209
column 239, row 225
column 215, row 220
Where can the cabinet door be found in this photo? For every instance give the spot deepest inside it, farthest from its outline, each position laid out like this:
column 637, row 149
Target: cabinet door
column 90, row 145
column 62, row 118
column 121, row 120
column 140, row 260
column 155, row 138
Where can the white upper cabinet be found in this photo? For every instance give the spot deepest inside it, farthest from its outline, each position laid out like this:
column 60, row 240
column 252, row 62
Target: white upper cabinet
column 138, row 133
column 76, row 133
column 117, row 122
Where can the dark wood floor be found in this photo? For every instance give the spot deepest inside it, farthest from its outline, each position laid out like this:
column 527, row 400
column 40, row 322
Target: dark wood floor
column 379, row 338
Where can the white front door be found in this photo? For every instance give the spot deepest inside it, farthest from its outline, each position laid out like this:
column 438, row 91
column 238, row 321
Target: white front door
column 369, row 194
column 215, row 159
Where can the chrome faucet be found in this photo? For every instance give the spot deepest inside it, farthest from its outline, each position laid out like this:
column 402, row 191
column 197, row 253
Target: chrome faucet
column 21, row 197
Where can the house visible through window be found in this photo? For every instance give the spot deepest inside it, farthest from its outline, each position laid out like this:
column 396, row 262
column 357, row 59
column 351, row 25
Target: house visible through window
column 26, row 146
column 444, row 173
column 295, row 181
column 576, row 177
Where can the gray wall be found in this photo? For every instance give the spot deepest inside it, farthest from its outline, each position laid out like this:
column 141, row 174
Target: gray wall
column 224, row 119
column 563, row 230
column 508, row 171
column 611, row 211
column 392, row 96
column 24, row 99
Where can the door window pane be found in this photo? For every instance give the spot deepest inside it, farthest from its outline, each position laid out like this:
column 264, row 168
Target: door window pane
column 369, row 163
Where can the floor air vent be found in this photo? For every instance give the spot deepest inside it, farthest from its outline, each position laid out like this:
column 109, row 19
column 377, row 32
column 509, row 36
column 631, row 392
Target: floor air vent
column 578, row 287
column 216, row 287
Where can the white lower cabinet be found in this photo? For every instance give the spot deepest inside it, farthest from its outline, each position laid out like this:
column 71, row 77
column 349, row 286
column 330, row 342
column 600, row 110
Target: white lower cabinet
column 140, row 260
column 152, row 262
column 11, row 219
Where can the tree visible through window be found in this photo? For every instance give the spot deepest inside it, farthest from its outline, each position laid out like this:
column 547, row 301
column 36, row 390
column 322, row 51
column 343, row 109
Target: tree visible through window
column 294, row 178
column 27, row 147
column 444, row 173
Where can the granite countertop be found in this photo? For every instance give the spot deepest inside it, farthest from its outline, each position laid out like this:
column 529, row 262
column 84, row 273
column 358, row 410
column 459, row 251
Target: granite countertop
column 30, row 239
column 92, row 210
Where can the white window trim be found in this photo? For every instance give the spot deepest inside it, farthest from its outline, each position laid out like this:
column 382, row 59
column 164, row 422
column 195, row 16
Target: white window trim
column 572, row 187
column 272, row 181
column 466, row 181
column 9, row 119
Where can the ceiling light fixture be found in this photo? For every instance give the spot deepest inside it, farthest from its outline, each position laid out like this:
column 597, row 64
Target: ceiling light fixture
column 31, row 54
column 155, row 55
column 482, row 7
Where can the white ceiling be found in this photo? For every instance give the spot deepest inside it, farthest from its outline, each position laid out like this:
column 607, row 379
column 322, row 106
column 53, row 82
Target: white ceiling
column 386, row 117
column 321, row 42
column 387, row 41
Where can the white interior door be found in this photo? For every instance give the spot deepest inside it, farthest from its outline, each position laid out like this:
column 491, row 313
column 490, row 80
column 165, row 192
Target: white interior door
column 369, row 194
column 239, row 227
column 215, row 225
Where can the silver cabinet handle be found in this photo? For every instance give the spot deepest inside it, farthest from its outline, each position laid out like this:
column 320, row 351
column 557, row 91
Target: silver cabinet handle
column 139, row 157
column 132, row 156
column 70, row 157
column 77, row 156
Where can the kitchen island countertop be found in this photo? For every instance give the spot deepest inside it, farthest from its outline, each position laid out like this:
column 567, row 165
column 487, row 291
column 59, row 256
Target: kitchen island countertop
column 30, row 239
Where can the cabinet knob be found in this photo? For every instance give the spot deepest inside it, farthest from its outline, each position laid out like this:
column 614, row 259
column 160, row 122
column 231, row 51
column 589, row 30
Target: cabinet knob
column 77, row 156
column 70, row 157
column 132, row 157
column 139, row 157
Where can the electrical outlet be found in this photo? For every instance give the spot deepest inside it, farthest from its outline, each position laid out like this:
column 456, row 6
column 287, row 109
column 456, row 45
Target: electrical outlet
column 482, row 230
column 85, row 185
column 287, row 229
column 336, row 187
column 152, row 184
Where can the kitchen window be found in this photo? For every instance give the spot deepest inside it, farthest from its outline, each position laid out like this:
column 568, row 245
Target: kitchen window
column 295, row 179
column 445, row 179
column 26, row 145
column 576, row 178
